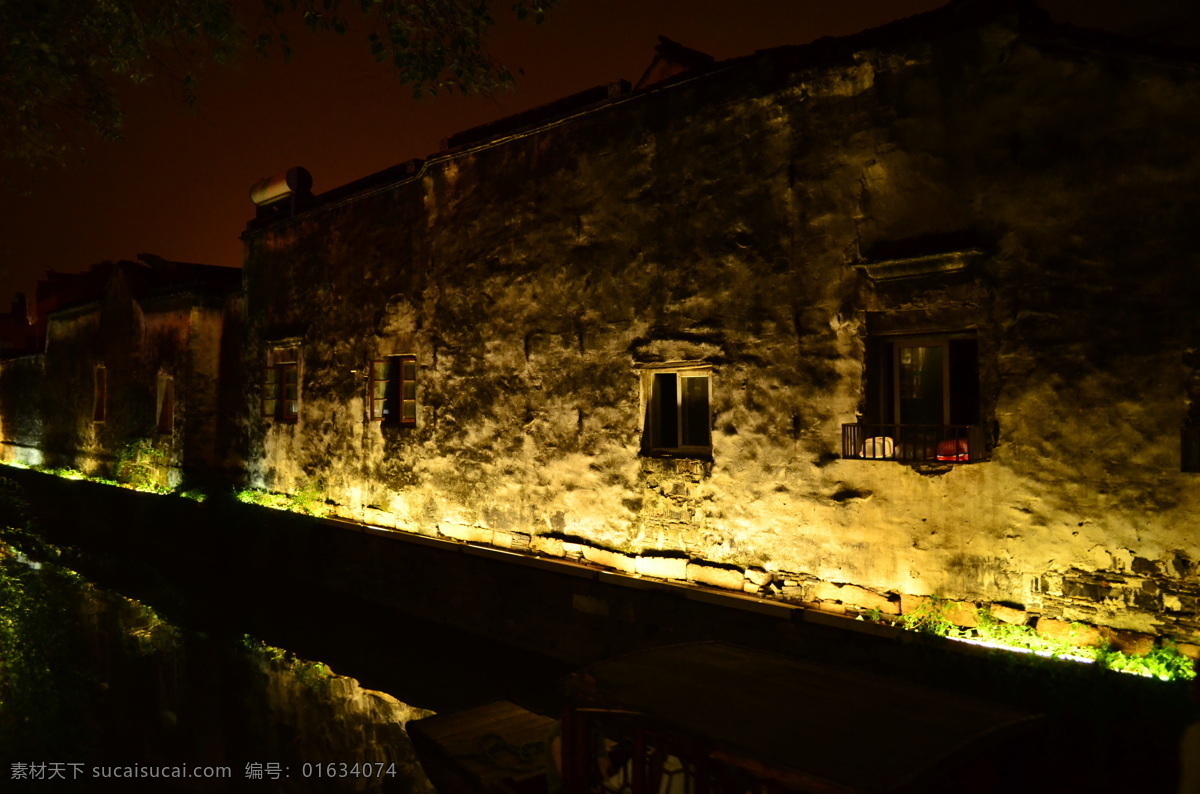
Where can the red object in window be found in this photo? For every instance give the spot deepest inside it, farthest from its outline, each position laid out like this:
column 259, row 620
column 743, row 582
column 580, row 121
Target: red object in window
column 954, row 449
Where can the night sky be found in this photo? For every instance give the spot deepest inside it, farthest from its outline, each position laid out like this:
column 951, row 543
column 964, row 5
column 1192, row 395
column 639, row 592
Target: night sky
column 178, row 184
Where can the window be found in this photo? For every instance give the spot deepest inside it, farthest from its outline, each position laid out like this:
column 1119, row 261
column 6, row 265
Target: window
column 1189, row 449
column 394, row 390
column 165, row 405
column 281, row 385
column 100, row 394
column 922, row 401
column 678, row 418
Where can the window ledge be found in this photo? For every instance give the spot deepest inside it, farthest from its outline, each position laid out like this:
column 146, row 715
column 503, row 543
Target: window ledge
column 685, row 454
column 915, row 267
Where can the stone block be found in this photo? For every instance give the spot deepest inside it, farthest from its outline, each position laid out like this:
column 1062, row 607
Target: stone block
column 1172, row 603
column 1133, row 643
column 758, row 576
column 830, row 607
column 1017, row 617
column 1074, row 633
column 573, row 550
column 725, row 578
column 610, row 559
column 551, row 547
column 1189, row 650
column 662, row 567
column 962, row 613
column 465, row 532
column 750, row 587
column 911, row 603
column 793, row 592
column 855, row 596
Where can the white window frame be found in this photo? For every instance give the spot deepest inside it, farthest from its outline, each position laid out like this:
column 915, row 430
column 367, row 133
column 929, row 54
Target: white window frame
column 682, row 371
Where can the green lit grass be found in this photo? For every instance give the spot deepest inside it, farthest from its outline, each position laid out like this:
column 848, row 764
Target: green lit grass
column 1164, row 662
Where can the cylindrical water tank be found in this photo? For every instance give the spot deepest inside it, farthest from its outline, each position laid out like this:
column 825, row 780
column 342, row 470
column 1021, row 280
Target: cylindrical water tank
column 273, row 189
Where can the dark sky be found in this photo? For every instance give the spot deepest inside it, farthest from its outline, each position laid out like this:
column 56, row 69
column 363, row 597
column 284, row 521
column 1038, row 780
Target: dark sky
column 178, row 184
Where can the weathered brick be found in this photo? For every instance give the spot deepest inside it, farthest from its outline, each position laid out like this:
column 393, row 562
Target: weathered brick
column 726, row 578
column 662, row 567
column 1073, row 633
column 610, row 559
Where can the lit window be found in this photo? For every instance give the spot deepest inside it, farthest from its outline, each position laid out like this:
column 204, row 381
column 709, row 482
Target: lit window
column 678, row 418
column 281, row 385
column 922, row 401
column 394, row 390
column 165, row 405
column 100, row 394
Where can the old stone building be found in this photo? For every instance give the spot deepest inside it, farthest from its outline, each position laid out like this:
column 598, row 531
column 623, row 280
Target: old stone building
column 903, row 314
column 125, row 379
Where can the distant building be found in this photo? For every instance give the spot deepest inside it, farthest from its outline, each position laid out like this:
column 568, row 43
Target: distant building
column 17, row 336
column 125, row 382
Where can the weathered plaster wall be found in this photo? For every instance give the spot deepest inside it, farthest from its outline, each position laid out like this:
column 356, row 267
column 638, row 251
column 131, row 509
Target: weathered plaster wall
column 717, row 220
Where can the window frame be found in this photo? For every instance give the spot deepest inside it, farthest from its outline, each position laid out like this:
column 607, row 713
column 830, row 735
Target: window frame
column 940, row 342
column 281, row 370
column 651, row 410
column 394, row 381
column 164, row 405
column 100, row 394
column 884, row 432
column 884, row 407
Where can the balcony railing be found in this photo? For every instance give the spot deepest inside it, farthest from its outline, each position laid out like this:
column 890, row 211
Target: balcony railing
column 914, row 443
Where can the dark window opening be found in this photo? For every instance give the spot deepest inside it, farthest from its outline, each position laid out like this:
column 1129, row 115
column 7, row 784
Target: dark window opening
column 165, row 415
column 678, row 417
column 281, row 385
column 922, row 401
column 100, row 394
column 1189, row 449
column 394, row 390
